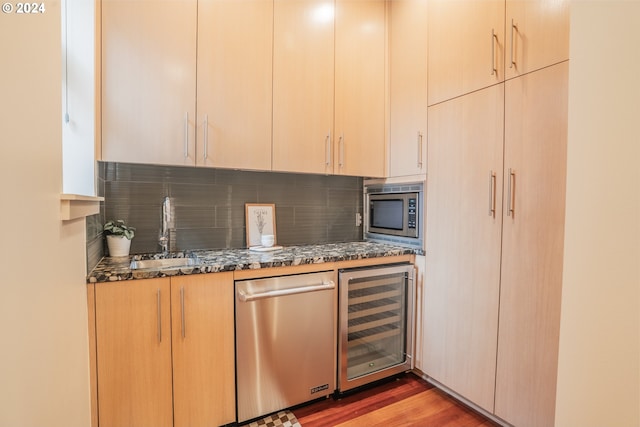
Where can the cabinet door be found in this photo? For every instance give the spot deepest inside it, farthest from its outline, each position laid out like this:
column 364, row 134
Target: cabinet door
column 463, row 228
column 133, row 343
column 466, row 46
column 533, row 236
column 360, row 92
column 537, row 34
column 149, row 81
column 303, row 58
column 408, row 87
column 234, row 83
column 203, row 349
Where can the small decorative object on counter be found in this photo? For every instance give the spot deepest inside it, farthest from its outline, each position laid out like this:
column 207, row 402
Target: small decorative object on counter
column 119, row 237
column 260, row 221
column 267, row 240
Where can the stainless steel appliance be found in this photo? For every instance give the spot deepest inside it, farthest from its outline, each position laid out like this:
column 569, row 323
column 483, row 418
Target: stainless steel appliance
column 286, row 339
column 393, row 213
column 376, row 318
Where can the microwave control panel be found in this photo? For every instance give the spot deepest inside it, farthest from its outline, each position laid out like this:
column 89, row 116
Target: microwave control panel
column 412, row 220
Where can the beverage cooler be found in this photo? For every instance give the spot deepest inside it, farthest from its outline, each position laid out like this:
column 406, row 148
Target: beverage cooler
column 376, row 318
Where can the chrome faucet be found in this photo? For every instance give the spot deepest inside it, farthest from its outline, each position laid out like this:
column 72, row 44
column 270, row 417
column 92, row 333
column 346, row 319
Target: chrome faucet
column 165, row 236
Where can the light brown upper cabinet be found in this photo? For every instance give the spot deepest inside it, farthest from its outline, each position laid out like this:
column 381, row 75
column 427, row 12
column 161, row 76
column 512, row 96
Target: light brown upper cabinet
column 234, row 83
column 476, row 43
column 329, row 87
column 303, row 58
column 149, row 69
column 408, row 87
column 466, row 47
column 361, row 88
column 149, row 81
column 537, row 35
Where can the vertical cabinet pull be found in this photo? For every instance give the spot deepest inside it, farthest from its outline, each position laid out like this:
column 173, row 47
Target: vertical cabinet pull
column 186, row 134
column 328, row 149
column 205, row 136
column 514, row 28
column 494, row 70
column 492, row 194
column 511, row 193
column 159, row 316
column 341, row 148
column 419, row 150
column 184, row 325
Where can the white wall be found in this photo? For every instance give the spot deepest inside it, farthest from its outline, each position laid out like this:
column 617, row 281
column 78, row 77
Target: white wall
column 599, row 366
column 44, row 369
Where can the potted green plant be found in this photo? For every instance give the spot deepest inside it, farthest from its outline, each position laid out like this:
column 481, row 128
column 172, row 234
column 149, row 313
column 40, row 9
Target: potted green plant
column 119, row 236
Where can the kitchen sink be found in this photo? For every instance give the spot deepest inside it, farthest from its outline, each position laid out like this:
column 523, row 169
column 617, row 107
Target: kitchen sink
column 158, row 264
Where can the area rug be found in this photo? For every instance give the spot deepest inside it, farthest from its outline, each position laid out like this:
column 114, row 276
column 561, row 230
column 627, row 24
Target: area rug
column 280, row 419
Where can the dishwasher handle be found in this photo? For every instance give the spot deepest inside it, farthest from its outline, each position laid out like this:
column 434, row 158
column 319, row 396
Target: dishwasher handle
column 247, row 297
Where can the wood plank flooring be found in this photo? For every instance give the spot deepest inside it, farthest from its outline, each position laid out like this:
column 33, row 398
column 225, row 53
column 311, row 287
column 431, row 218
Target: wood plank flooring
column 404, row 402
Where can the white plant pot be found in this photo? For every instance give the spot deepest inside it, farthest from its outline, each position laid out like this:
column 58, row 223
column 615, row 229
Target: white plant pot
column 118, row 245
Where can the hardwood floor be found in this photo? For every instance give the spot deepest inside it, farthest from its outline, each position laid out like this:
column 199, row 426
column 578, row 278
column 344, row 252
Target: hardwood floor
column 406, row 401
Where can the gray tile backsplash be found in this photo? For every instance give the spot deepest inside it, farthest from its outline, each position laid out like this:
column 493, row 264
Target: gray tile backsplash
column 209, row 206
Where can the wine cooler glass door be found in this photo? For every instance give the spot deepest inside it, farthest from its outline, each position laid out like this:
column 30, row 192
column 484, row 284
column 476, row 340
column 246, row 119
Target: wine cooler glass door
column 376, row 323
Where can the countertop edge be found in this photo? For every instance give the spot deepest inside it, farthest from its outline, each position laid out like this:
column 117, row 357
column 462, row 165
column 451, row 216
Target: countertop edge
column 221, row 260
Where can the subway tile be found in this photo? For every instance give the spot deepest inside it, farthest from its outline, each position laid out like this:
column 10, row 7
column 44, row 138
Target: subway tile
column 197, row 194
column 95, row 251
column 230, row 216
column 194, row 217
column 344, row 197
column 207, row 238
column 209, row 204
column 140, row 193
column 287, row 195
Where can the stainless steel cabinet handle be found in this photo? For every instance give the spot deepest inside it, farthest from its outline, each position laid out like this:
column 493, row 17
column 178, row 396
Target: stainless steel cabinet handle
column 513, row 27
column 493, row 52
column 206, row 136
column 511, row 193
column 247, row 297
column 341, row 147
column 328, row 148
column 159, row 316
column 492, row 194
column 419, row 150
column 184, row 325
column 186, row 134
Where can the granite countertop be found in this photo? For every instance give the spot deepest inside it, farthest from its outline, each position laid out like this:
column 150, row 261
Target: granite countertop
column 217, row 260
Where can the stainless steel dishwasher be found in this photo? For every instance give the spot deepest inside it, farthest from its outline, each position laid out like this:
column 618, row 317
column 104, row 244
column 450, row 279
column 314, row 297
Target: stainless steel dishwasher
column 286, row 341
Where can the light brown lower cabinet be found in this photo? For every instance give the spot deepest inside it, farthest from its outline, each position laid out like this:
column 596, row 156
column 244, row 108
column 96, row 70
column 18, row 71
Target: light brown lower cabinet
column 164, row 351
column 203, row 350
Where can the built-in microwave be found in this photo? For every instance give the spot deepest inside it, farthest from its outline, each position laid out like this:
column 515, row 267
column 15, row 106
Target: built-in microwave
column 393, row 213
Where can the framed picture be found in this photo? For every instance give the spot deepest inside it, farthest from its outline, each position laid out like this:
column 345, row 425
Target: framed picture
column 260, row 219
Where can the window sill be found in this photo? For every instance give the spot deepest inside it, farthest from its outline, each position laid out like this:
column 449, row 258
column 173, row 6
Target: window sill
column 73, row 206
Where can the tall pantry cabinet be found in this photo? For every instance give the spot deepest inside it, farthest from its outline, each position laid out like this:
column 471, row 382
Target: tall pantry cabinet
column 463, row 231
column 532, row 245
column 495, row 204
